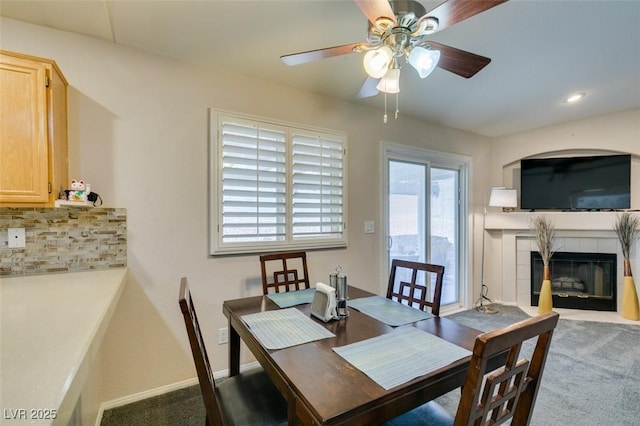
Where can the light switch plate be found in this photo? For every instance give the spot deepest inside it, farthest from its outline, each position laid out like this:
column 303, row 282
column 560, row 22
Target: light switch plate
column 16, row 237
column 369, row 227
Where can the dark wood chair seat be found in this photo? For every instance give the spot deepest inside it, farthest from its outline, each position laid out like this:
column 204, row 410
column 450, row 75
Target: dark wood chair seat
column 284, row 271
column 417, row 284
column 507, row 393
column 249, row 398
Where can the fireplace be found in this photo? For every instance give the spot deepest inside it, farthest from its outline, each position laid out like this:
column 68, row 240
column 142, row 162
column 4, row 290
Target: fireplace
column 578, row 280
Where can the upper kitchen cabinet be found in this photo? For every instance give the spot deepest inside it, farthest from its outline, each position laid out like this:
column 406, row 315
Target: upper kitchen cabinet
column 33, row 131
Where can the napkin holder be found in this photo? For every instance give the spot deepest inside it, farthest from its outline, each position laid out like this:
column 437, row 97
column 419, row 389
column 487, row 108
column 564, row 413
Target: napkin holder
column 323, row 305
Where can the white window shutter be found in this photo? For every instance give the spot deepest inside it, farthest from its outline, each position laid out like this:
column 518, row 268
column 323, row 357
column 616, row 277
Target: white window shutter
column 253, row 183
column 317, row 186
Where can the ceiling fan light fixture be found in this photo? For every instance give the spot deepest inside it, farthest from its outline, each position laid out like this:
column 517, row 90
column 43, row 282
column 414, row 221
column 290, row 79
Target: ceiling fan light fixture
column 426, row 25
column 383, row 23
column 390, row 83
column 424, row 60
column 376, row 62
column 431, row 25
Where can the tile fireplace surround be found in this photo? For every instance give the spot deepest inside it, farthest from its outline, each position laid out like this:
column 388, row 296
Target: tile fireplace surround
column 582, row 232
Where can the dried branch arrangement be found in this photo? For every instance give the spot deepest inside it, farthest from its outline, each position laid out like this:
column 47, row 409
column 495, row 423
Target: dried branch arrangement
column 627, row 227
column 544, row 234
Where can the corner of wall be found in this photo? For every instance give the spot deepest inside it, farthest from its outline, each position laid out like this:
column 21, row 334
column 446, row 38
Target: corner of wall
column 139, row 351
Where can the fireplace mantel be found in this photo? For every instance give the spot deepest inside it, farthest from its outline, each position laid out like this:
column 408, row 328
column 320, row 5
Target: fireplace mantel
column 569, row 221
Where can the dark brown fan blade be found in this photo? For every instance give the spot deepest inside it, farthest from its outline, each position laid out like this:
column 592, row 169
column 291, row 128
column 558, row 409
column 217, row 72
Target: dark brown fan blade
column 314, row 55
column 465, row 64
column 454, row 11
column 369, row 88
column 374, row 9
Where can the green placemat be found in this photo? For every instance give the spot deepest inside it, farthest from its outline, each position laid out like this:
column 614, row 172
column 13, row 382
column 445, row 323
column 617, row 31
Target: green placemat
column 388, row 311
column 292, row 298
column 402, row 355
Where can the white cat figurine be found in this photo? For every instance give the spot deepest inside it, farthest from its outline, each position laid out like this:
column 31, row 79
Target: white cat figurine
column 78, row 191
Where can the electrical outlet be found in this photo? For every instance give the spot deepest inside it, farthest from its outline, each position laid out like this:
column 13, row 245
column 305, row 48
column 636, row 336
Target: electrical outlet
column 16, row 238
column 223, row 336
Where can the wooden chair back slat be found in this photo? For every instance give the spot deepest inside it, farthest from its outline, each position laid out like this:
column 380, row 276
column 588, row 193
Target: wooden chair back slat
column 284, row 271
column 422, row 295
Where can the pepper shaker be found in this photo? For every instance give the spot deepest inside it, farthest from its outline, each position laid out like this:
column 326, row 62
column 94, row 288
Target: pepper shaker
column 342, row 296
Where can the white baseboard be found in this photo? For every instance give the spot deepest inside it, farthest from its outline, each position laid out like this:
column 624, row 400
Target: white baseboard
column 119, row 402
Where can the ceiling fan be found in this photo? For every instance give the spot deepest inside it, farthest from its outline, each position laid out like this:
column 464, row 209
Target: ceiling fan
column 399, row 29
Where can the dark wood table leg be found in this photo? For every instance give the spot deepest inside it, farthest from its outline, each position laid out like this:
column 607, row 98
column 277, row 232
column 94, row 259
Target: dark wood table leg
column 234, row 352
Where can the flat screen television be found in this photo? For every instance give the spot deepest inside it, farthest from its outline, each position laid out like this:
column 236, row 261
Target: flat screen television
column 576, row 183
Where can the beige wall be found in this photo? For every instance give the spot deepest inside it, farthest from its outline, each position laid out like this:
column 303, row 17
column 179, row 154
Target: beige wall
column 614, row 132
column 138, row 134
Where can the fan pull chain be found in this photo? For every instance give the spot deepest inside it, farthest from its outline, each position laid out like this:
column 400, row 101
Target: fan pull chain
column 384, row 120
column 397, row 110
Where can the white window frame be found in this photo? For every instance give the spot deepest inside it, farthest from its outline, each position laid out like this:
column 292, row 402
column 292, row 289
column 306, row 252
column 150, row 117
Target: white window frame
column 332, row 215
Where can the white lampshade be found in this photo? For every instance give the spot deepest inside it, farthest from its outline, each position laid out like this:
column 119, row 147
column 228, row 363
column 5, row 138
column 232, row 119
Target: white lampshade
column 424, row 60
column 503, row 197
column 390, row 83
column 376, row 62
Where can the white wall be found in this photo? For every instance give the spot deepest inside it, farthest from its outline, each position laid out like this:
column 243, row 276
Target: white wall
column 138, row 134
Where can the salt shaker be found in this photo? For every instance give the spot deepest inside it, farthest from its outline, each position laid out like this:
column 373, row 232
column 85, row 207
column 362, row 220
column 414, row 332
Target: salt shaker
column 333, row 280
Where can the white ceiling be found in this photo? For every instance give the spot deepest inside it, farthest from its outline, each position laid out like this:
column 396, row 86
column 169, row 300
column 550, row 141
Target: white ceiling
column 541, row 51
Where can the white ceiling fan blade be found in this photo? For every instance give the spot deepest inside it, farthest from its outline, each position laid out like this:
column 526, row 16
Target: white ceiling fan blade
column 369, row 89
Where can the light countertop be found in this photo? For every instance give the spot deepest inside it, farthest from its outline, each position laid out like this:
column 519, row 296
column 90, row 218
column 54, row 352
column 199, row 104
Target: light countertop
column 51, row 328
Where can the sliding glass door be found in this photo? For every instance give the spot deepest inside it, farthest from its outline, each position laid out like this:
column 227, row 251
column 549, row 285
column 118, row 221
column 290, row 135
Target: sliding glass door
column 422, row 213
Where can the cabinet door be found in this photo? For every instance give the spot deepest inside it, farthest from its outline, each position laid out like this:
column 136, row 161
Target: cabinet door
column 24, row 168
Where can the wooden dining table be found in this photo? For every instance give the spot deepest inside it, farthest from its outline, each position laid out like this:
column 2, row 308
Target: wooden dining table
column 321, row 387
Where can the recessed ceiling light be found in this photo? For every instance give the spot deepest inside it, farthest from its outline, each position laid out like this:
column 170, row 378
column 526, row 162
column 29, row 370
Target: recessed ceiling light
column 575, row 97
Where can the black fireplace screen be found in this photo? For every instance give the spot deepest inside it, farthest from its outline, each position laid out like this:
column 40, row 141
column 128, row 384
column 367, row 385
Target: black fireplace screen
column 578, row 280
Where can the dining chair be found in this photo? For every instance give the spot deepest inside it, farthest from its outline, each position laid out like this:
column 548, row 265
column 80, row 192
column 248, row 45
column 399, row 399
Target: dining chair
column 249, row 398
column 285, row 270
column 418, row 284
column 508, row 392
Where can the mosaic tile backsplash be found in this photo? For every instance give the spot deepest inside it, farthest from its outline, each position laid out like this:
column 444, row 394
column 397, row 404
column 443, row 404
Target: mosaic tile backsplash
column 63, row 240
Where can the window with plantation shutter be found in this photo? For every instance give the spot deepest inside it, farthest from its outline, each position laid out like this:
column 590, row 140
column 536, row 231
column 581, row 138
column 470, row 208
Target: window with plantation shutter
column 275, row 186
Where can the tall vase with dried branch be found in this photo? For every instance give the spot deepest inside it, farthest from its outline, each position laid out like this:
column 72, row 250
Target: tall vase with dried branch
column 544, row 234
column 627, row 227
